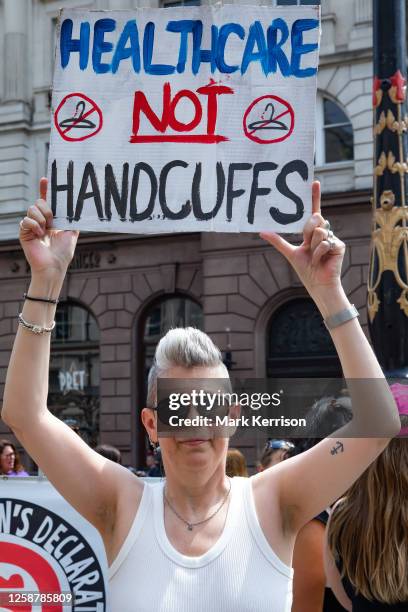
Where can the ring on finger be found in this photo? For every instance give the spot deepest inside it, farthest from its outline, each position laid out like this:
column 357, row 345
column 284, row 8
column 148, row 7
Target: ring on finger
column 330, row 235
column 326, row 225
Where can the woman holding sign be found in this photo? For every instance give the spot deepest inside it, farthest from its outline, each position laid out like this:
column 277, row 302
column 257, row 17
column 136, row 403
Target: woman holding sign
column 199, row 541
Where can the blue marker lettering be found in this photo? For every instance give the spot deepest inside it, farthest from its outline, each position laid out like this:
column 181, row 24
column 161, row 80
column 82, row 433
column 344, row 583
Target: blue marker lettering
column 201, row 56
column 276, row 55
column 184, row 27
column 148, row 44
column 130, row 34
column 69, row 45
column 299, row 48
column 100, row 46
column 225, row 31
column 255, row 37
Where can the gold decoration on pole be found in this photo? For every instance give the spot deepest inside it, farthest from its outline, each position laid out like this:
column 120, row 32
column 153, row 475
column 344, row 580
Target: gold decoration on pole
column 390, row 236
column 391, row 123
column 389, row 162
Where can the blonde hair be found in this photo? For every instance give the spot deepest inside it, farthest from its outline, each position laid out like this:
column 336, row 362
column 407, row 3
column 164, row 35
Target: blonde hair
column 186, row 347
column 236, row 464
column 368, row 529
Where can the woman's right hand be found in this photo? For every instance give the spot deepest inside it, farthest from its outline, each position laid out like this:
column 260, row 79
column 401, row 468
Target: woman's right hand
column 48, row 251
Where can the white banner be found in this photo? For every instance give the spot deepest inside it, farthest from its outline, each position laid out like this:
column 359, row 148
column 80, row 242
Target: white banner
column 46, row 547
column 184, row 119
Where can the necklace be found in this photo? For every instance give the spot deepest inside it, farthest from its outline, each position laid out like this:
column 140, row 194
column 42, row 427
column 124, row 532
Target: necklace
column 191, row 525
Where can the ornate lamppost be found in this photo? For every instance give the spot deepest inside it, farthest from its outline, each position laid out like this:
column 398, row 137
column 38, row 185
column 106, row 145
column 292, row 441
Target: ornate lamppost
column 388, row 272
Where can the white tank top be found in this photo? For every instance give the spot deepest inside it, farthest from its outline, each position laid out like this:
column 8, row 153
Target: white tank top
column 240, row 573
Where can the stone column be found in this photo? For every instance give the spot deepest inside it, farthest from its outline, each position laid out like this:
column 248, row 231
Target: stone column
column 16, row 50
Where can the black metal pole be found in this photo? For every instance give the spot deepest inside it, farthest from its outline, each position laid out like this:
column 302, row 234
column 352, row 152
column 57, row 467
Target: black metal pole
column 388, row 273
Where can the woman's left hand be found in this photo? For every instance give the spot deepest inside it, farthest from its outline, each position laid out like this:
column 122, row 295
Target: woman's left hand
column 318, row 260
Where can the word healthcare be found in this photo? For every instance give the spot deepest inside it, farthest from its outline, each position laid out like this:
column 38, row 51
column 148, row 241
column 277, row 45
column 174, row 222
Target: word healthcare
column 201, row 119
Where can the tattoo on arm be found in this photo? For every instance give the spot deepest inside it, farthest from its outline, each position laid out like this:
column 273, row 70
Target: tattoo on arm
column 339, row 448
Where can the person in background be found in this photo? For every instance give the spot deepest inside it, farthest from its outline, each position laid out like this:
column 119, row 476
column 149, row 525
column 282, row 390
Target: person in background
column 10, row 464
column 310, row 591
column 236, row 464
column 154, row 464
column 274, row 452
column 366, row 555
column 110, row 452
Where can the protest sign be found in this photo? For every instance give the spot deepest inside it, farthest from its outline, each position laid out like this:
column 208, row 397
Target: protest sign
column 184, row 119
column 47, row 548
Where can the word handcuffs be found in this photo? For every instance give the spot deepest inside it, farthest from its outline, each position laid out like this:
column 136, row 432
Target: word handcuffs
column 331, row 239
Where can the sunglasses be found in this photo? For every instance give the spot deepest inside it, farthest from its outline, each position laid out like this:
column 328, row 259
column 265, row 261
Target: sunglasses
column 279, row 444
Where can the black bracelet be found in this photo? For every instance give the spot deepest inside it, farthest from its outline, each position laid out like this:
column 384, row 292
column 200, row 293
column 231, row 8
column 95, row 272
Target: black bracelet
column 35, row 299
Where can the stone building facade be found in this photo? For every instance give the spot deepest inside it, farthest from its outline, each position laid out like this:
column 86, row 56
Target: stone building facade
column 123, row 291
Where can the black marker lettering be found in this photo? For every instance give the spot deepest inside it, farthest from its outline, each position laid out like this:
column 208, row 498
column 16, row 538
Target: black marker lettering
column 195, row 197
column 89, row 175
column 134, row 215
column 112, row 192
column 301, row 168
column 186, row 208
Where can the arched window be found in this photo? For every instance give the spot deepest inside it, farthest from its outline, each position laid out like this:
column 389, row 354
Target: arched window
column 162, row 316
column 158, row 318
column 334, row 133
column 298, row 344
column 74, row 370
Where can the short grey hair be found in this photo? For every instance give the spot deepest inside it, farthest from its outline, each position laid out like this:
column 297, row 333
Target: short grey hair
column 184, row 347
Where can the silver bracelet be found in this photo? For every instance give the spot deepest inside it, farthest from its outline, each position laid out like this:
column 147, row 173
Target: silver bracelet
column 35, row 329
column 339, row 318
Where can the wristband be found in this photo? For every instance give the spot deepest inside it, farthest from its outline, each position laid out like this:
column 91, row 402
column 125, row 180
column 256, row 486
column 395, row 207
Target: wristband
column 344, row 316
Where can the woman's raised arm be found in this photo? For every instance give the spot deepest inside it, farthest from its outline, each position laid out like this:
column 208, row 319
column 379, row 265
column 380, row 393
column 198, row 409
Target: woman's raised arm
column 88, row 482
column 310, row 482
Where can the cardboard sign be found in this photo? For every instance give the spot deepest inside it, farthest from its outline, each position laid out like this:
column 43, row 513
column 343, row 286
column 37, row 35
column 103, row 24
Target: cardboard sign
column 184, row 119
column 47, row 549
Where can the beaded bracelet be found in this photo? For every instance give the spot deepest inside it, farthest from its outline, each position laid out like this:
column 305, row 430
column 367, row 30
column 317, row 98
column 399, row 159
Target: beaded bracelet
column 32, row 327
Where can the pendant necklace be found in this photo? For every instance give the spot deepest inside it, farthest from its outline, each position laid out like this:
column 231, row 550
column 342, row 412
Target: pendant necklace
column 190, row 525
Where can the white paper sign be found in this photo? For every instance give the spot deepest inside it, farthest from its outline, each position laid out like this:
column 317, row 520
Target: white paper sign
column 184, row 119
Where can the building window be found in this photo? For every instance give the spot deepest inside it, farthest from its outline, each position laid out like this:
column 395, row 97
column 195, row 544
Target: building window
column 168, row 3
column 162, row 316
column 298, row 344
column 74, row 370
column 297, row 2
column 334, row 133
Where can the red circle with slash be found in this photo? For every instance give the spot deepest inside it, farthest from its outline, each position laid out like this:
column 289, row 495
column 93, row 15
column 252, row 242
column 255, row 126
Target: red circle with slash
column 87, row 116
column 261, row 130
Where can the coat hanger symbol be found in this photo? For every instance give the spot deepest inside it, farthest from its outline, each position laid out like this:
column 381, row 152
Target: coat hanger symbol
column 78, row 121
column 268, row 124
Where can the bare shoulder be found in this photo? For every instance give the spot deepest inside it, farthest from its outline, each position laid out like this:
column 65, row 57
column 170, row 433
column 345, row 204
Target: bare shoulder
column 117, row 521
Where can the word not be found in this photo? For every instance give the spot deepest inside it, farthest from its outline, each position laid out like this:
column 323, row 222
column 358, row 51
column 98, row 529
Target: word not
column 168, row 118
column 265, row 48
column 126, row 197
